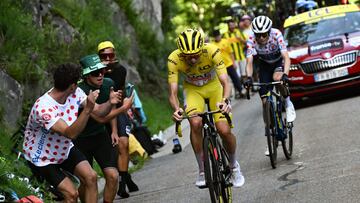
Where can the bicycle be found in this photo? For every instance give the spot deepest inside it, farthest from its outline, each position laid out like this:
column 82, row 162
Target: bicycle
column 277, row 128
column 216, row 159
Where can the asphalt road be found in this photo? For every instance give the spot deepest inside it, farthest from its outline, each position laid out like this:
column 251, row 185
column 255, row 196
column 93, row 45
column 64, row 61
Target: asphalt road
column 325, row 166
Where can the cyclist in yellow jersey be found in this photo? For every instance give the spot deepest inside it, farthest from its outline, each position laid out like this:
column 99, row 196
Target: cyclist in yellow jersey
column 205, row 78
column 228, row 56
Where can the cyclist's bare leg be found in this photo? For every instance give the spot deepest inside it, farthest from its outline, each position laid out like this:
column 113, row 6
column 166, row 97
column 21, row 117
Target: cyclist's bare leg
column 111, row 177
column 88, row 182
column 228, row 139
column 67, row 188
column 196, row 140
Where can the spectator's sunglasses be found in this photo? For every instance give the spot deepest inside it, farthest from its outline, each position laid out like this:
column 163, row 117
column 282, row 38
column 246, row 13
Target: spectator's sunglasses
column 98, row 72
column 107, row 56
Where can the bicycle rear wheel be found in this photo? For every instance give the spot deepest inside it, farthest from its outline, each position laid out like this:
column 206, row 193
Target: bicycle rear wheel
column 211, row 172
column 272, row 142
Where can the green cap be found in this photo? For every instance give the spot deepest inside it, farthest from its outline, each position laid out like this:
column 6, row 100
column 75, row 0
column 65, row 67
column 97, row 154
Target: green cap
column 91, row 63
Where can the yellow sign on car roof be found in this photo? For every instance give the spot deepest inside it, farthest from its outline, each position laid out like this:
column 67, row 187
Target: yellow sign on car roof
column 321, row 12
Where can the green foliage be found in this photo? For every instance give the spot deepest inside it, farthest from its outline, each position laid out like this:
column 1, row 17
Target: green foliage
column 202, row 14
column 27, row 50
column 11, row 169
column 21, row 42
column 158, row 112
column 152, row 52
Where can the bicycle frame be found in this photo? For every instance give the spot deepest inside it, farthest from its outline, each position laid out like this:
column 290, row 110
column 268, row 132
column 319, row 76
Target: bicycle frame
column 275, row 98
column 216, row 158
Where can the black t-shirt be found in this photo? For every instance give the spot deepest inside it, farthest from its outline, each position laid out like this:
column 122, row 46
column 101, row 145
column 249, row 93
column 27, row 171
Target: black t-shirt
column 118, row 75
column 93, row 127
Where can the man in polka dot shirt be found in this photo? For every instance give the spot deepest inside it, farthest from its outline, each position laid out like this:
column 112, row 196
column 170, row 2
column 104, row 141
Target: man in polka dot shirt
column 52, row 124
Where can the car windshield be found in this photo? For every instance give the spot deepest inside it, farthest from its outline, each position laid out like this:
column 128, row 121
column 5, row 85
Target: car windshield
column 303, row 33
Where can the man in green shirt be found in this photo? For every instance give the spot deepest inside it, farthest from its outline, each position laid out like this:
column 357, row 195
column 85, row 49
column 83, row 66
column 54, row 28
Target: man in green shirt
column 95, row 141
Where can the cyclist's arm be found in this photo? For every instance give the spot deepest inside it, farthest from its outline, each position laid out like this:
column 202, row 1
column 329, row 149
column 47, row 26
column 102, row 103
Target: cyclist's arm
column 226, row 85
column 173, row 98
column 285, row 56
column 249, row 65
column 173, row 76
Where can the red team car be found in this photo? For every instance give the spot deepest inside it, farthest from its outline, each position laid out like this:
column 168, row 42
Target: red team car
column 324, row 47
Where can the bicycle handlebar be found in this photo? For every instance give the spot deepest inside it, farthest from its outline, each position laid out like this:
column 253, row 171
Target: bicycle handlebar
column 261, row 84
column 178, row 130
column 267, row 84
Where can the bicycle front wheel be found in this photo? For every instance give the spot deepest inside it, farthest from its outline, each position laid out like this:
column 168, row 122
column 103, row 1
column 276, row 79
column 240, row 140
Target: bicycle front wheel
column 272, row 142
column 225, row 172
column 211, row 173
column 288, row 145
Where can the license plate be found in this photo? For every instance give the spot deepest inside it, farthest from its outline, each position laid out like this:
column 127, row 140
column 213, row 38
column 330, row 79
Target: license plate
column 327, row 75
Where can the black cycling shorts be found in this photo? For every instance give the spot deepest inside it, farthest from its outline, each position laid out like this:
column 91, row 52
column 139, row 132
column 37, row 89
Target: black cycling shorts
column 266, row 71
column 52, row 173
column 99, row 147
column 124, row 125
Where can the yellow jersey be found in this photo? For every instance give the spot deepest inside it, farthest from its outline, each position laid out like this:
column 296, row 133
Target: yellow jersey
column 206, row 70
column 236, row 45
column 226, row 51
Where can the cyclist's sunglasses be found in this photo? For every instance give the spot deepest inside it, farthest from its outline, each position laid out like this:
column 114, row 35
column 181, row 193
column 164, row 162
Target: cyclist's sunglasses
column 98, row 72
column 107, row 56
column 263, row 35
column 192, row 56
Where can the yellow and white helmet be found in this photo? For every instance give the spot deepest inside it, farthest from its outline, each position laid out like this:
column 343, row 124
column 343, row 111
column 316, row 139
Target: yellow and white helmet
column 190, row 41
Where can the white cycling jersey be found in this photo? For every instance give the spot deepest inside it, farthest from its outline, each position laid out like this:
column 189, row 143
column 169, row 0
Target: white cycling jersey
column 269, row 52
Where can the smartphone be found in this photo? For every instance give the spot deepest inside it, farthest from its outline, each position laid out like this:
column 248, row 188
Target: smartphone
column 129, row 89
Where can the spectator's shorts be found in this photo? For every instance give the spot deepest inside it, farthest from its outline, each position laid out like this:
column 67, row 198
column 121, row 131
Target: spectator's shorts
column 99, row 147
column 52, row 173
column 124, row 125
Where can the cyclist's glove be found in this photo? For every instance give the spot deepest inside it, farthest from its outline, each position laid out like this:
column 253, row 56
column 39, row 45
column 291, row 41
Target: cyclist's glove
column 285, row 78
column 248, row 82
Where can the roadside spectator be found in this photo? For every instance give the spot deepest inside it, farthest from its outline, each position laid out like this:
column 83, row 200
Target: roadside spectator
column 245, row 26
column 117, row 73
column 95, row 141
column 53, row 123
column 138, row 118
column 228, row 57
column 237, row 40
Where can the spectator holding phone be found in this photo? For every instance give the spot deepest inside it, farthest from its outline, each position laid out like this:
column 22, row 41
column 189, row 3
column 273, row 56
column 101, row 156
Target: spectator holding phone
column 117, row 73
column 53, row 123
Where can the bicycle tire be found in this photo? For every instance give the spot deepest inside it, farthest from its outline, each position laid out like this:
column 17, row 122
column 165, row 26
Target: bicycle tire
column 226, row 186
column 288, row 145
column 270, row 135
column 210, row 174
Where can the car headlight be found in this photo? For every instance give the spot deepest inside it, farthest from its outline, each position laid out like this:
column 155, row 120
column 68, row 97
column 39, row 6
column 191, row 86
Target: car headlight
column 294, row 67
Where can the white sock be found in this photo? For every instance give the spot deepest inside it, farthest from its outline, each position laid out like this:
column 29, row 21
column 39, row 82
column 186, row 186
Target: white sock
column 288, row 102
column 200, row 161
column 232, row 159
